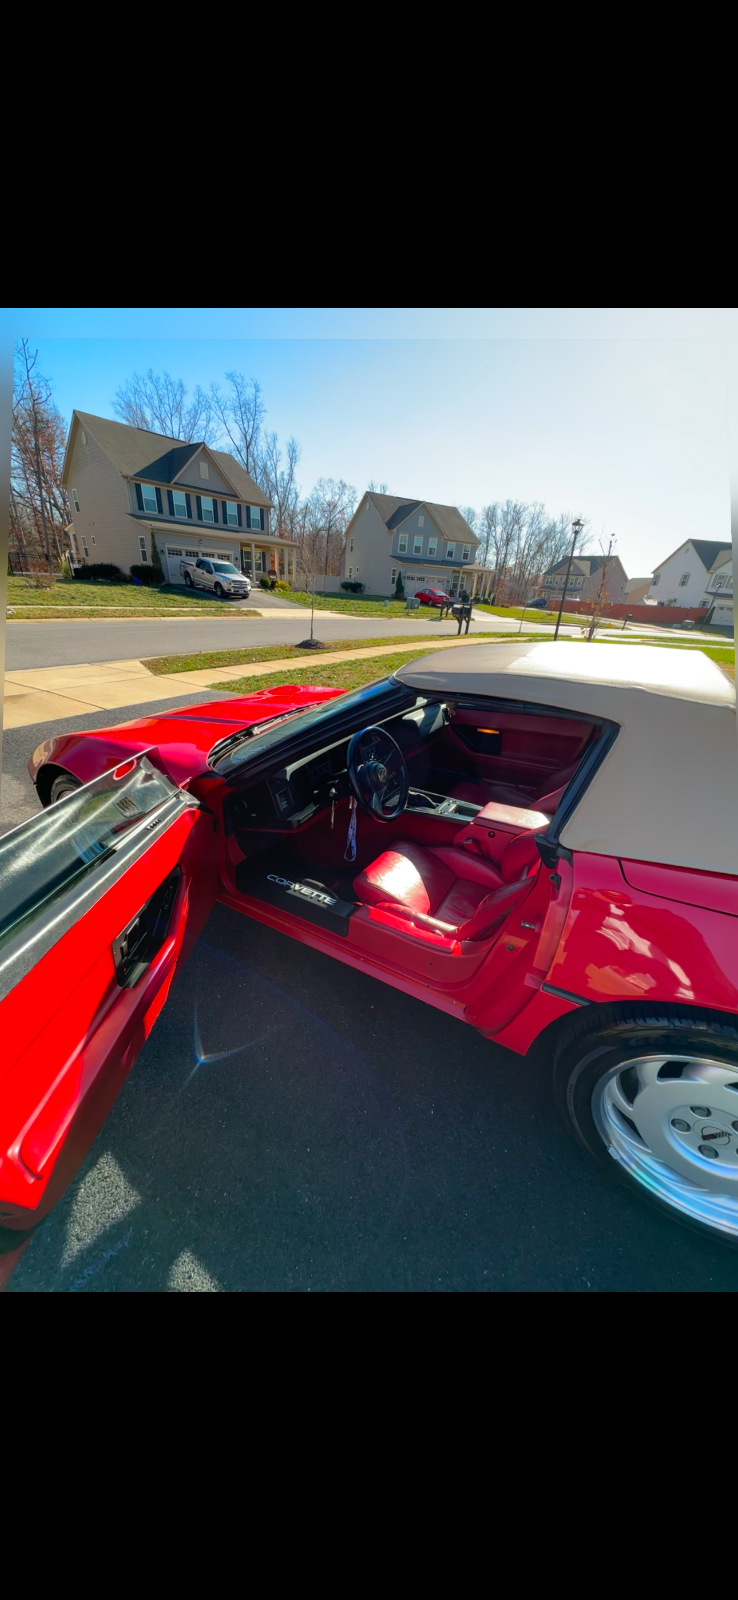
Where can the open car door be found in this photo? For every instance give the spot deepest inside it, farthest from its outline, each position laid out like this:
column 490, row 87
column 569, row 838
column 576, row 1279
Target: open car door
column 101, row 897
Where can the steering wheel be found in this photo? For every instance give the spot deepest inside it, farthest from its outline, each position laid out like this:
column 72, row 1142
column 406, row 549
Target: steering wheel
column 378, row 774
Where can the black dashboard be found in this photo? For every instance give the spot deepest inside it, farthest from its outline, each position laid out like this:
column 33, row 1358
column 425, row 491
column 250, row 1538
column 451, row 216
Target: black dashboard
column 296, row 793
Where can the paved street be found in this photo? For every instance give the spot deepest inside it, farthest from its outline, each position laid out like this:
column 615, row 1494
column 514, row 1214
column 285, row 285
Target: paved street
column 355, row 1141
column 54, row 644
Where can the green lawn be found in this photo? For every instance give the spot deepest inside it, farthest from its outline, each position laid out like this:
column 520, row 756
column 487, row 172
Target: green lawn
column 81, row 598
column 344, row 675
column 353, row 606
column 281, row 652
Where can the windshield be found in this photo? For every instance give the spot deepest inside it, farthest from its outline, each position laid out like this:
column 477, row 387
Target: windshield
column 233, row 752
column 226, row 566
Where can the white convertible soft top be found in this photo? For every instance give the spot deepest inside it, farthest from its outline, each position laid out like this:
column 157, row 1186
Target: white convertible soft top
column 668, row 789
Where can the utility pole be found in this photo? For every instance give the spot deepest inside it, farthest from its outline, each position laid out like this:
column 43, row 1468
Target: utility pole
column 576, row 529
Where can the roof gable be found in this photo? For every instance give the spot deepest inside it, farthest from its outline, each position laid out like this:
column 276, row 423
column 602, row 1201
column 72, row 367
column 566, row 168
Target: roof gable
column 705, row 549
column 138, row 453
column 394, row 509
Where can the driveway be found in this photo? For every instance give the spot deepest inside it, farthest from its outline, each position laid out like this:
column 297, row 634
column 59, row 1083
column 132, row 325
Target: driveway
column 338, row 1136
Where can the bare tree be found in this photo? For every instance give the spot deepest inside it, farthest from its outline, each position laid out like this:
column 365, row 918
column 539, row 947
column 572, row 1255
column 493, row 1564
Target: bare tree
column 378, row 488
column 158, row 403
column 320, row 527
column 278, row 479
column 599, row 603
column 39, row 508
column 240, row 413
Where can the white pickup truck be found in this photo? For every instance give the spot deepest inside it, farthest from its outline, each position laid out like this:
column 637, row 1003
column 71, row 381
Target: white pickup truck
column 219, row 576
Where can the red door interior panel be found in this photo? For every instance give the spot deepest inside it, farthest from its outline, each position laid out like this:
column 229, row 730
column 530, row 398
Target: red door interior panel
column 71, row 1031
column 509, row 747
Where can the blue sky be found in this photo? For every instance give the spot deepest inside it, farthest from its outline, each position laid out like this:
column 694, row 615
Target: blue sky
column 629, row 432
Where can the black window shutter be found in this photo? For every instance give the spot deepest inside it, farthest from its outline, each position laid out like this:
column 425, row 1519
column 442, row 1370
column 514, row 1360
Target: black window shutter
column 189, row 506
column 170, row 498
column 261, row 519
column 215, row 509
column 248, row 516
column 158, row 501
column 198, row 503
column 225, row 513
column 238, row 508
column 139, row 497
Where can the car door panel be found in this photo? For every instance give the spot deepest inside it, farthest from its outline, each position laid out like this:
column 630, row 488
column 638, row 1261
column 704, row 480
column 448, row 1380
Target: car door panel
column 73, row 1015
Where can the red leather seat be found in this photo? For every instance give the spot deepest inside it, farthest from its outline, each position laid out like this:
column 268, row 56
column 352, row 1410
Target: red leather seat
column 480, row 792
column 456, row 894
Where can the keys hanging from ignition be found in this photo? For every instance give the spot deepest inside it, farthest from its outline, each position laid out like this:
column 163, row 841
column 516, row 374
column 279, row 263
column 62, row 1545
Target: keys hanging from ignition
column 333, row 796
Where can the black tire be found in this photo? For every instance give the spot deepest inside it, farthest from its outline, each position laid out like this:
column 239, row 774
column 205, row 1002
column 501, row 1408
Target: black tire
column 63, row 784
column 188, row 580
column 594, row 1046
column 218, row 590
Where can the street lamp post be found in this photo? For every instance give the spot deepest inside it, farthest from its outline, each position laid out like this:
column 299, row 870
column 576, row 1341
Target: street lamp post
column 576, row 528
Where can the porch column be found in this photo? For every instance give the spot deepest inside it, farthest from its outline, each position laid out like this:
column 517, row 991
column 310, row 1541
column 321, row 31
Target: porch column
column 253, row 562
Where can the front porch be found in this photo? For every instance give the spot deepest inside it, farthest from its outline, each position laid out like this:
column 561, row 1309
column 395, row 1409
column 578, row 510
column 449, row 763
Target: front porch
column 269, row 558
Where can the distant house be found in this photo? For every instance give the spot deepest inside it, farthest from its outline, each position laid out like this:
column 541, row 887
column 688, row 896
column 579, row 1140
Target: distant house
column 128, row 487
column 719, row 591
column 636, row 589
column 429, row 546
column 585, row 578
column 681, row 579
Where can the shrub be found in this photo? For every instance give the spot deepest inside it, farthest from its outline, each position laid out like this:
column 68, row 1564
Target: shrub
column 353, row 588
column 281, row 586
column 399, row 591
column 146, row 574
column 100, row 569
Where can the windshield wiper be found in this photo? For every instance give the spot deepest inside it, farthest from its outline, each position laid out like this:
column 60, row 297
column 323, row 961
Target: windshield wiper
column 237, row 739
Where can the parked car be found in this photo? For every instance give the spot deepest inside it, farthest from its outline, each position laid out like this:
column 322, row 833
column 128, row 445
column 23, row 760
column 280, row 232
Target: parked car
column 221, row 577
column 537, row 605
column 546, row 850
column 431, row 597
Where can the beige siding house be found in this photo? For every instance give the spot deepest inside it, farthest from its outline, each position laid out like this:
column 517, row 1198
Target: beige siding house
column 128, row 487
column 430, row 545
column 585, row 578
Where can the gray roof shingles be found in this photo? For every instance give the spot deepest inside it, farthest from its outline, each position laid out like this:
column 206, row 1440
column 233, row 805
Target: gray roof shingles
column 137, row 453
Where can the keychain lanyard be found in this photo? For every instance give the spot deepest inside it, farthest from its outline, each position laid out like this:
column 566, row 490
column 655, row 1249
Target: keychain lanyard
column 350, row 851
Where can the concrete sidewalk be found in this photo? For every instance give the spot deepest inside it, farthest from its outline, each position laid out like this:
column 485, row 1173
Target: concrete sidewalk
column 47, row 694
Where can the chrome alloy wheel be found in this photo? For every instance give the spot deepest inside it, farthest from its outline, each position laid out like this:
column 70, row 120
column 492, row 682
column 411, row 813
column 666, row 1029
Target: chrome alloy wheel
column 672, row 1122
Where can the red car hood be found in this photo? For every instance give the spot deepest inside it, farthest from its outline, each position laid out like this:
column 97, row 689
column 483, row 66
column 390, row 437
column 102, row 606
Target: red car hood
column 184, row 737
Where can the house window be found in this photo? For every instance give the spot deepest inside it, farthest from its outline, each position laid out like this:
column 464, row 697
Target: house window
column 142, row 547
column 94, row 540
column 148, row 495
column 684, row 580
column 193, row 554
column 450, row 549
column 85, row 550
column 75, row 498
column 204, row 470
column 351, row 545
column 230, row 514
column 394, row 574
column 421, row 522
column 173, row 551
column 351, row 572
column 255, row 517
column 417, row 547
column 402, row 544
column 432, row 546
column 655, row 580
column 207, row 505
column 179, row 503
column 465, row 552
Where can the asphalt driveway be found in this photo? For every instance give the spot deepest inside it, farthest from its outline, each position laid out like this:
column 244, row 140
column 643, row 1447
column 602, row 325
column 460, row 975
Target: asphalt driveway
column 294, row 1126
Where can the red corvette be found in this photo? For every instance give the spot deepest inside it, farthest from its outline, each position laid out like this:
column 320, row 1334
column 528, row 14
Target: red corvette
column 538, row 839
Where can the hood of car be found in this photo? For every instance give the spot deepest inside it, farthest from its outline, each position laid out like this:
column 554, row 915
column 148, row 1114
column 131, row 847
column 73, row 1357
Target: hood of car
column 183, row 736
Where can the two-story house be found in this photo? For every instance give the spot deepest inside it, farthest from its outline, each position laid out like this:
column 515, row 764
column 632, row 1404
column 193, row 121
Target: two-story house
column 428, row 545
column 585, row 579
column 128, row 487
column 719, row 592
column 681, row 579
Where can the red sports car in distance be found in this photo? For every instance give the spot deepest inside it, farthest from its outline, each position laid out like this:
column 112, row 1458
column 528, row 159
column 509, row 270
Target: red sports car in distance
column 431, row 597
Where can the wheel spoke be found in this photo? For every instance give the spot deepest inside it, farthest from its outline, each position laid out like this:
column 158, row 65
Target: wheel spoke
column 619, row 1099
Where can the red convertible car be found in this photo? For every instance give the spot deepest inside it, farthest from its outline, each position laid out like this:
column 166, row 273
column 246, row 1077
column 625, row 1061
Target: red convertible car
column 538, row 839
